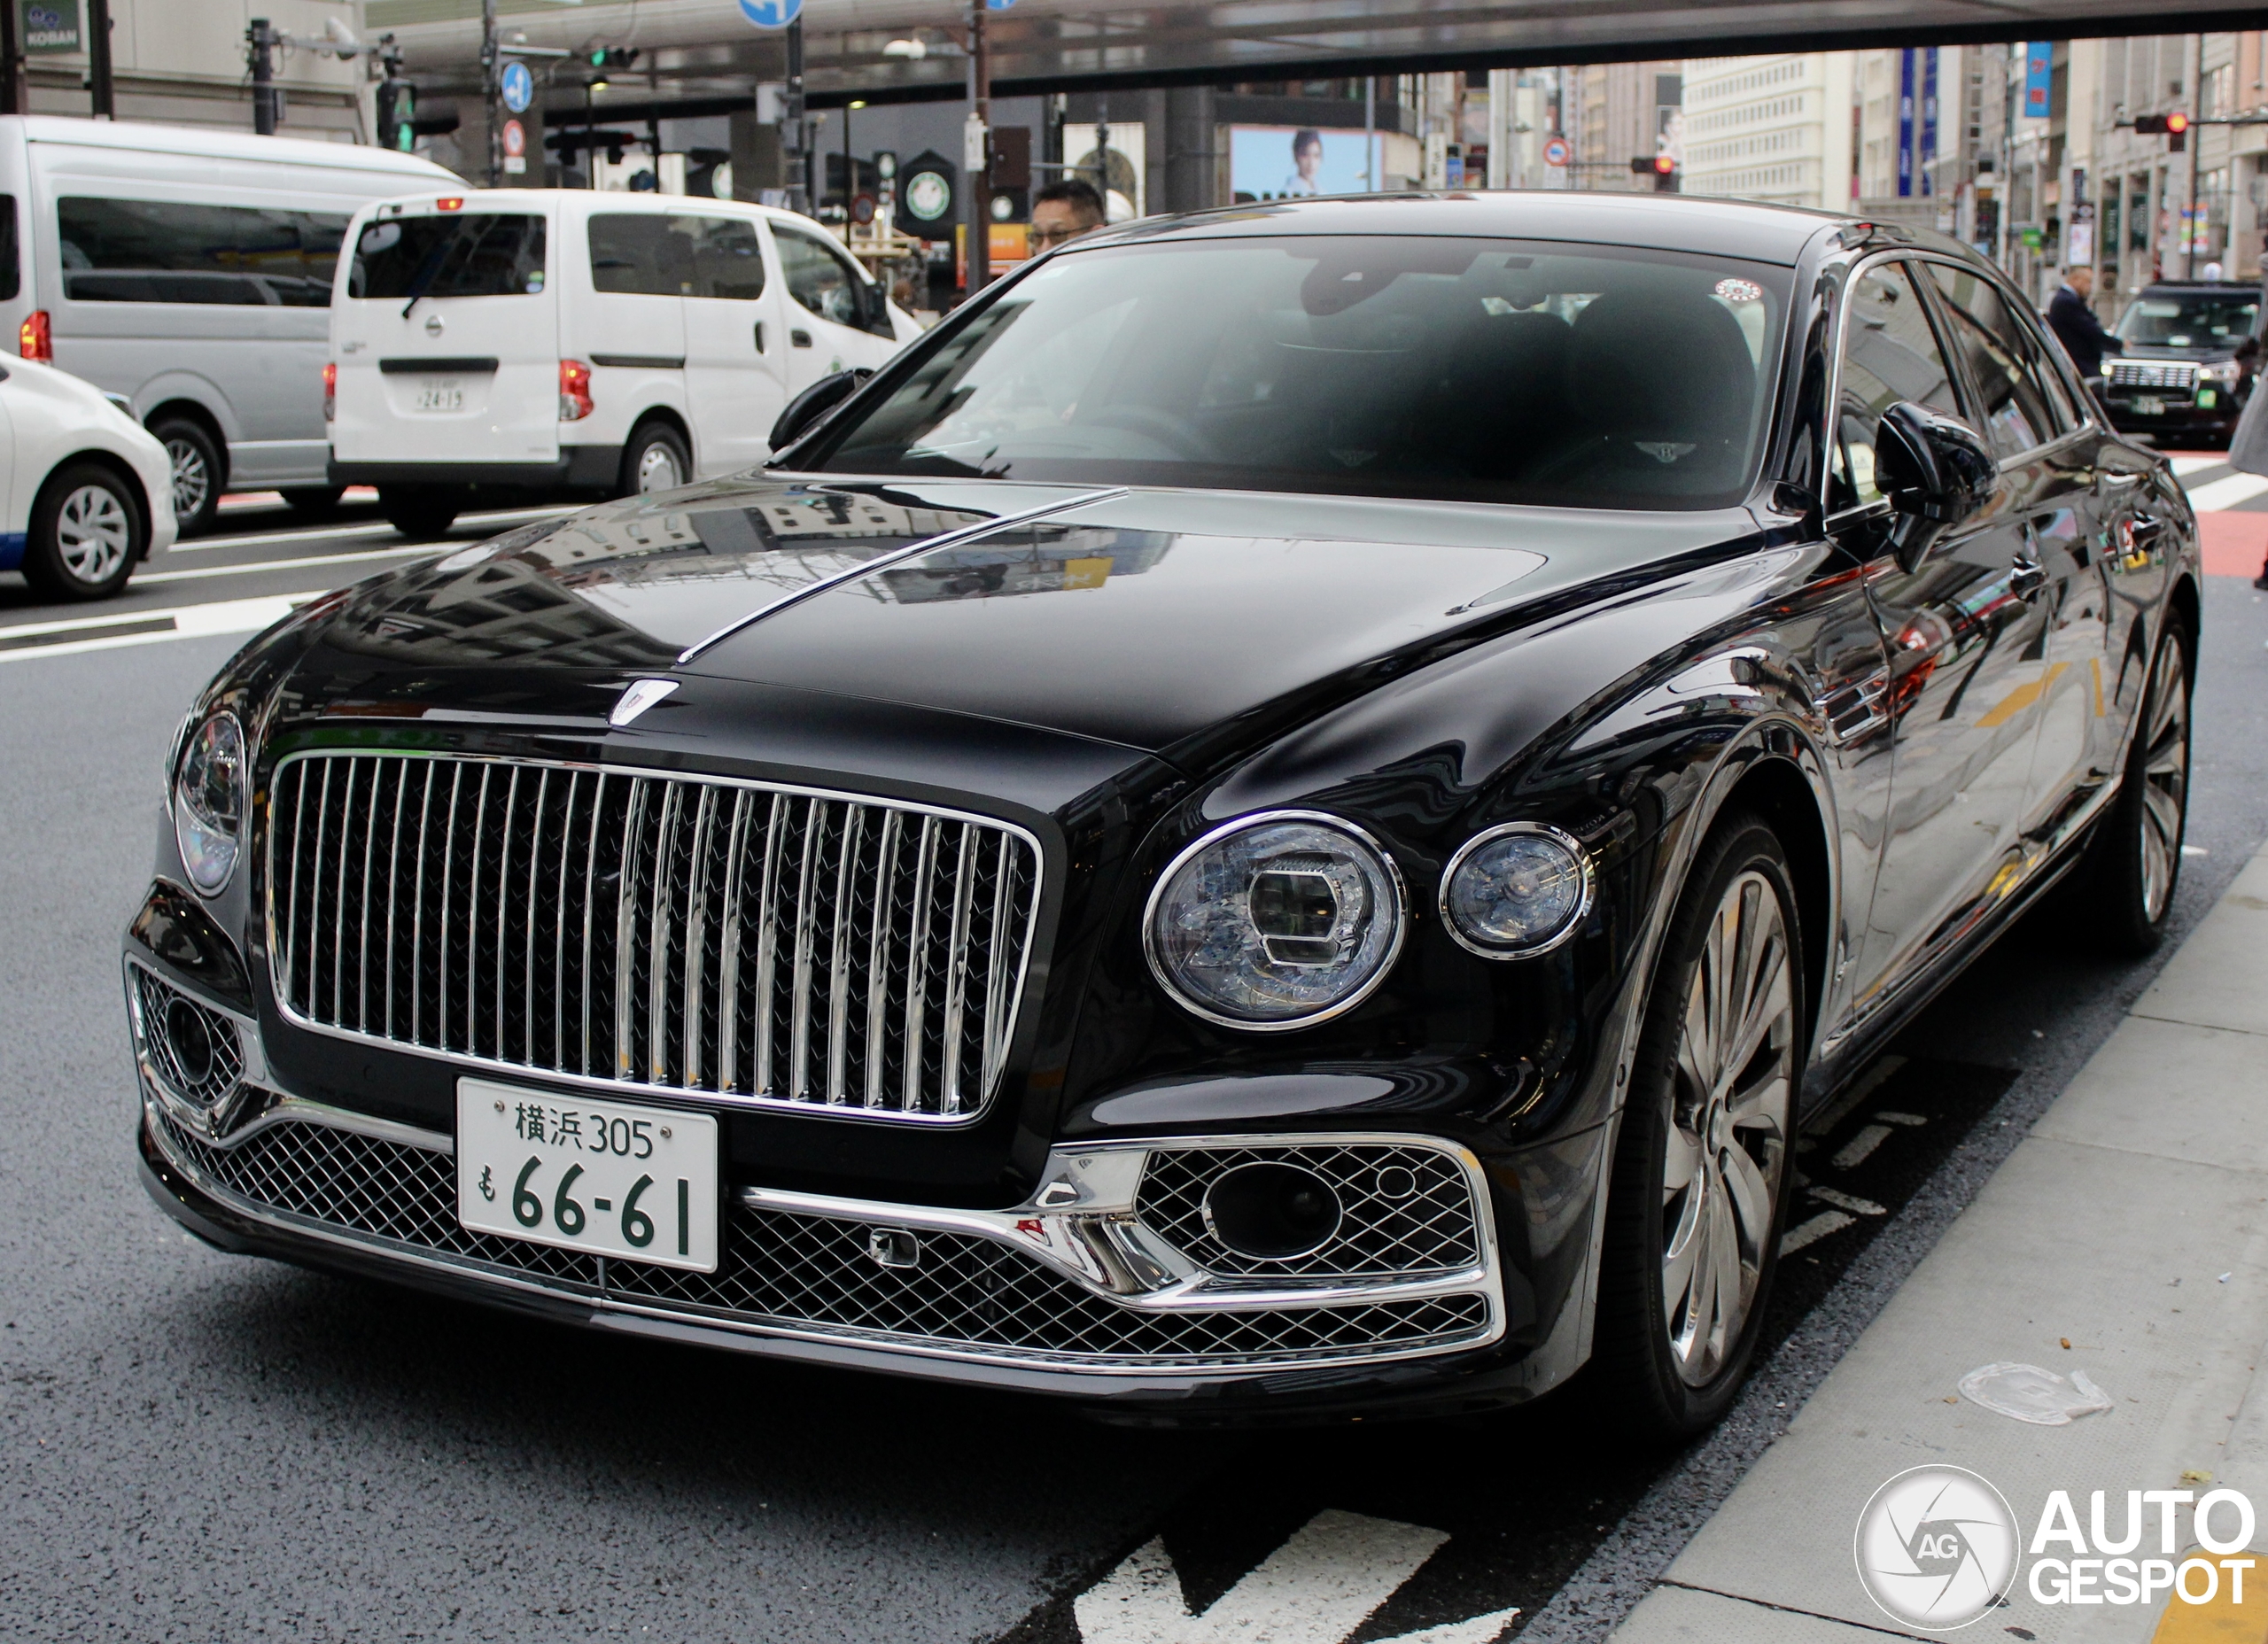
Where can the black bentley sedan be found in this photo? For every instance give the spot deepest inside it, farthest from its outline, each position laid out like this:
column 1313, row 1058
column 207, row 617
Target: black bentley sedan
column 1290, row 812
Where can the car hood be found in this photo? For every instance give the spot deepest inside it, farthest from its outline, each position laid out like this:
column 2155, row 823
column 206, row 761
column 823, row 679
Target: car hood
column 1151, row 619
column 2161, row 351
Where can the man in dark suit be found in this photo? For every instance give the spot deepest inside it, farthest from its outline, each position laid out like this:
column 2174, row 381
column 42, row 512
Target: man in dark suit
column 2074, row 323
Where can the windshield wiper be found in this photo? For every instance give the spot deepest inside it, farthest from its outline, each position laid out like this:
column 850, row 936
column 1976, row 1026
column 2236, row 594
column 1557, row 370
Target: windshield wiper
column 430, row 270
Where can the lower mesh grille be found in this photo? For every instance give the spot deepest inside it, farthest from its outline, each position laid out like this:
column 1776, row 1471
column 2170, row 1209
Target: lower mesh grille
column 1405, row 1209
column 811, row 1272
column 204, row 1071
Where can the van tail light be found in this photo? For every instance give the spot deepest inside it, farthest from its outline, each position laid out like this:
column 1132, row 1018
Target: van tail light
column 33, row 339
column 331, row 391
column 574, row 391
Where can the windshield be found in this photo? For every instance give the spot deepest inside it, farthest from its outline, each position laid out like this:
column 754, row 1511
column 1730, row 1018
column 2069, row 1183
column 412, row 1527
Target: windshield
column 2200, row 320
column 1485, row 370
column 475, row 254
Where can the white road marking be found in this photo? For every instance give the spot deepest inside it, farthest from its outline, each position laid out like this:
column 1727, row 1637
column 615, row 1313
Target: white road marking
column 1855, row 1151
column 2183, row 466
column 2234, row 492
column 186, row 622
column 1909, row 1119
column 1846, row 1201
column 148, row 576
column 1317, row 1588
column 1818, row 1227
column 380, row 528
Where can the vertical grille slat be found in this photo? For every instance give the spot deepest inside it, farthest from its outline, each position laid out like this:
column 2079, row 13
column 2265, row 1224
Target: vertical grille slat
column 655, row 932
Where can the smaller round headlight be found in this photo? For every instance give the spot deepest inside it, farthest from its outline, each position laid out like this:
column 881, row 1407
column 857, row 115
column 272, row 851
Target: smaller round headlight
column 209, row 801
column 1515, row 890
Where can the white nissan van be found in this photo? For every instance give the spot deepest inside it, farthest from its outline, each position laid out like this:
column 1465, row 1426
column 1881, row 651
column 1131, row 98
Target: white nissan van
column 559, row 342
column 187, row 269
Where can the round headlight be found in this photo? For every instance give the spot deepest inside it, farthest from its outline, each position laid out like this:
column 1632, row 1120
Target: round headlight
column 1515, row 890
column 209, row 801
column 1275, row 921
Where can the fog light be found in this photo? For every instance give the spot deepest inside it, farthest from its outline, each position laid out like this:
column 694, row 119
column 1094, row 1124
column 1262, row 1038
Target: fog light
column 1272, row 1212
column 1515, row 890
column 189, row 1040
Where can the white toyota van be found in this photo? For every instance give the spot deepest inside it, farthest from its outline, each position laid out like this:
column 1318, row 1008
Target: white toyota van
column 557, row 342
column 188, row 270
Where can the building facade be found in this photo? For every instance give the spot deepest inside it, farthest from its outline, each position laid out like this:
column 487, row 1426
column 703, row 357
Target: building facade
column 1776, row 128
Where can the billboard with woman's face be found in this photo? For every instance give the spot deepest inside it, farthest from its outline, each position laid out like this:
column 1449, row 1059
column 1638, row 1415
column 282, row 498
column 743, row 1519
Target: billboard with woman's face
column 1279, row 162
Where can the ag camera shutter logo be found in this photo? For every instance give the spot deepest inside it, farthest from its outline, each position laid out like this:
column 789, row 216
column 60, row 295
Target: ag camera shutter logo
column 1937, row 1547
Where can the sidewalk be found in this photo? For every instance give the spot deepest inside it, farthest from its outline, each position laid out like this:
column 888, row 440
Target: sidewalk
column 2127, row 1236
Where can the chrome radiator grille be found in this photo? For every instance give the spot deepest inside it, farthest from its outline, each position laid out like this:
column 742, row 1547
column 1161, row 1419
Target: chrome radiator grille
column 2153, row 374
column 684, row 933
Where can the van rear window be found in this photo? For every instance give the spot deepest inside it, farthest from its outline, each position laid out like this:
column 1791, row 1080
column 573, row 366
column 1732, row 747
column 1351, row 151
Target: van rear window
column 174, row 252
column 470, row 254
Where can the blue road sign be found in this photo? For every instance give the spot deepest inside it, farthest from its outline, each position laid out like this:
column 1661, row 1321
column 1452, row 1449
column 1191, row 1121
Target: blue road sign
column 517, row 85
column 771, row 13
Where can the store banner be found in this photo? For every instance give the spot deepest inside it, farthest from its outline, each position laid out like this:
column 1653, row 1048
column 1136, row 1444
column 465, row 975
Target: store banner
column 2038, row 78
column 1904, row 124
column 1276, row 162
column 49, row 24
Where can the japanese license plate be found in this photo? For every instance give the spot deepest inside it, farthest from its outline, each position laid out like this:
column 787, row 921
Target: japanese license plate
column 604, row 1177
column 444, row 394
column 2148, row 404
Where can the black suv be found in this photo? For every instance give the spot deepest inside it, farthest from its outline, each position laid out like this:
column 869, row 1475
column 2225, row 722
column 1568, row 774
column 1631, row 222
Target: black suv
column 2192, row 349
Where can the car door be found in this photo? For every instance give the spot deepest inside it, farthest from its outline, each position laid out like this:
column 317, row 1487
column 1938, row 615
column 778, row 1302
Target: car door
column 735, row 370
column 835, row 317
column 1956, row 628
column 2047, row 463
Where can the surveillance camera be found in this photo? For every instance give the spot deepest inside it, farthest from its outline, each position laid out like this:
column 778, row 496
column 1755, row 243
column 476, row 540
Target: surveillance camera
column 343, row 43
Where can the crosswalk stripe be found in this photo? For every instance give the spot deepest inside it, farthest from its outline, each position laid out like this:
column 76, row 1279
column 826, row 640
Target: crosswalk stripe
column 2235, row 492
column 148, row 577
column 2183, row 466
column 108, row 633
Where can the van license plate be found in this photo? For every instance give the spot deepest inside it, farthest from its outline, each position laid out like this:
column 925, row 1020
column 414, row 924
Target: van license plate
column 606, row 1178
column 445, row 395
column 2148, row 404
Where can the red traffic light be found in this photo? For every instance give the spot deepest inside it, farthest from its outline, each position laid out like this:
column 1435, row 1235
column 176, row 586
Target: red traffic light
column 2176, row 124
column 1664, row 165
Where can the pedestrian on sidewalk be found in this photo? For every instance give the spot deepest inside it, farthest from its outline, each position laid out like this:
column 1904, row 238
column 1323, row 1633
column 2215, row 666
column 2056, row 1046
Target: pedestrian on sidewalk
column 2249, row 453
column 2073, row 322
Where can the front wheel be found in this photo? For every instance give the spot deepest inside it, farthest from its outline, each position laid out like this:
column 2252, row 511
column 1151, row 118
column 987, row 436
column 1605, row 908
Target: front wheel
column 1702, row 1168
column 86, row 534
column 2135, row 860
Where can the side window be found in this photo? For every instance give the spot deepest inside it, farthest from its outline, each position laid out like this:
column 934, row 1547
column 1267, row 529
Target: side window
column 2017, row 407
column 11, row 273
column 640, row 254
column 825, row 282
column 1889, row 353
column 728, row 258
column 170, row 251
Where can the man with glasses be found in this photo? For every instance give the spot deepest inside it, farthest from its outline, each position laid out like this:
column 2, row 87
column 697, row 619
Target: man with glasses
column 1064, row 209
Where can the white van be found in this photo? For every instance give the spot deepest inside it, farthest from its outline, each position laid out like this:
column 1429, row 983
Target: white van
column 558, row 341
column 188, row 270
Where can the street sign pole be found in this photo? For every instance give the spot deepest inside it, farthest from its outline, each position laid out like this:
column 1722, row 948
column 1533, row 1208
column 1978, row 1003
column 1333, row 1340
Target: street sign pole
column 488, row 91
column 976, row 152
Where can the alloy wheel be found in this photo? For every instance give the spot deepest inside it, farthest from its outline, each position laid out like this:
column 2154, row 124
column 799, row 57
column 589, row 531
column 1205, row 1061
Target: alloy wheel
column 1726, row 1147
column 192, row 478
column 93, row 534
column 2165, row 778
column 658, row 468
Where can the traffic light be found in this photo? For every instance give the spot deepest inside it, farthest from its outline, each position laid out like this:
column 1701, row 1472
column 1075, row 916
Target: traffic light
column 609, row 57
column 397, row 115
column 1661, row 167
column 2173, row 127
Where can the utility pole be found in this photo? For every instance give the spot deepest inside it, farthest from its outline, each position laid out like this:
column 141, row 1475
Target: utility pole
column 99, row 59
column 488, row 92
column 2193, row 83
column 262, row 38
column 976, row 152
column 794, row 134
column 13, row 99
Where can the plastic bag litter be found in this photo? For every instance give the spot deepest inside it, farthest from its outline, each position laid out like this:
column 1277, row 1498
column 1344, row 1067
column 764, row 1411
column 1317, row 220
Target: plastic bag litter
column 2031, row 1395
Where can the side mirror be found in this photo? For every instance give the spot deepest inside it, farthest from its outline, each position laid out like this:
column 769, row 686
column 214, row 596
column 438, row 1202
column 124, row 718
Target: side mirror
column 1936, row 471
column 807, row 410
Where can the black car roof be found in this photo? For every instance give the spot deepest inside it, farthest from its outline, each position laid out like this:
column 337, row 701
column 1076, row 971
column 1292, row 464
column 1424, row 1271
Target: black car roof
column 1774, row 234
column 2203, row 288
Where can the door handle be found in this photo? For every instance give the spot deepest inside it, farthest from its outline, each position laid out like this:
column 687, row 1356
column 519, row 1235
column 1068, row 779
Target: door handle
column 2116, row 479
column 800, row 338
column 759, row 337
column 2028, row 577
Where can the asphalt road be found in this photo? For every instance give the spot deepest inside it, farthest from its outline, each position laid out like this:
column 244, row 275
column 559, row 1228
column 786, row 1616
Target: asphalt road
column 200, row 1448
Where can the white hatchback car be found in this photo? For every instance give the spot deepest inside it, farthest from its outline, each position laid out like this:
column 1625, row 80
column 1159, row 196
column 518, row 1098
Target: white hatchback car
column 86, row 492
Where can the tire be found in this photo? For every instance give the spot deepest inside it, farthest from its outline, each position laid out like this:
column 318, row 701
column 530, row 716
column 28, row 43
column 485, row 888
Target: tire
column 654, row 458
column 2133, row 863
column 200, row 471
column 87, row 534
column 417, row 513
column 313, row 499
column 1706, row 1159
